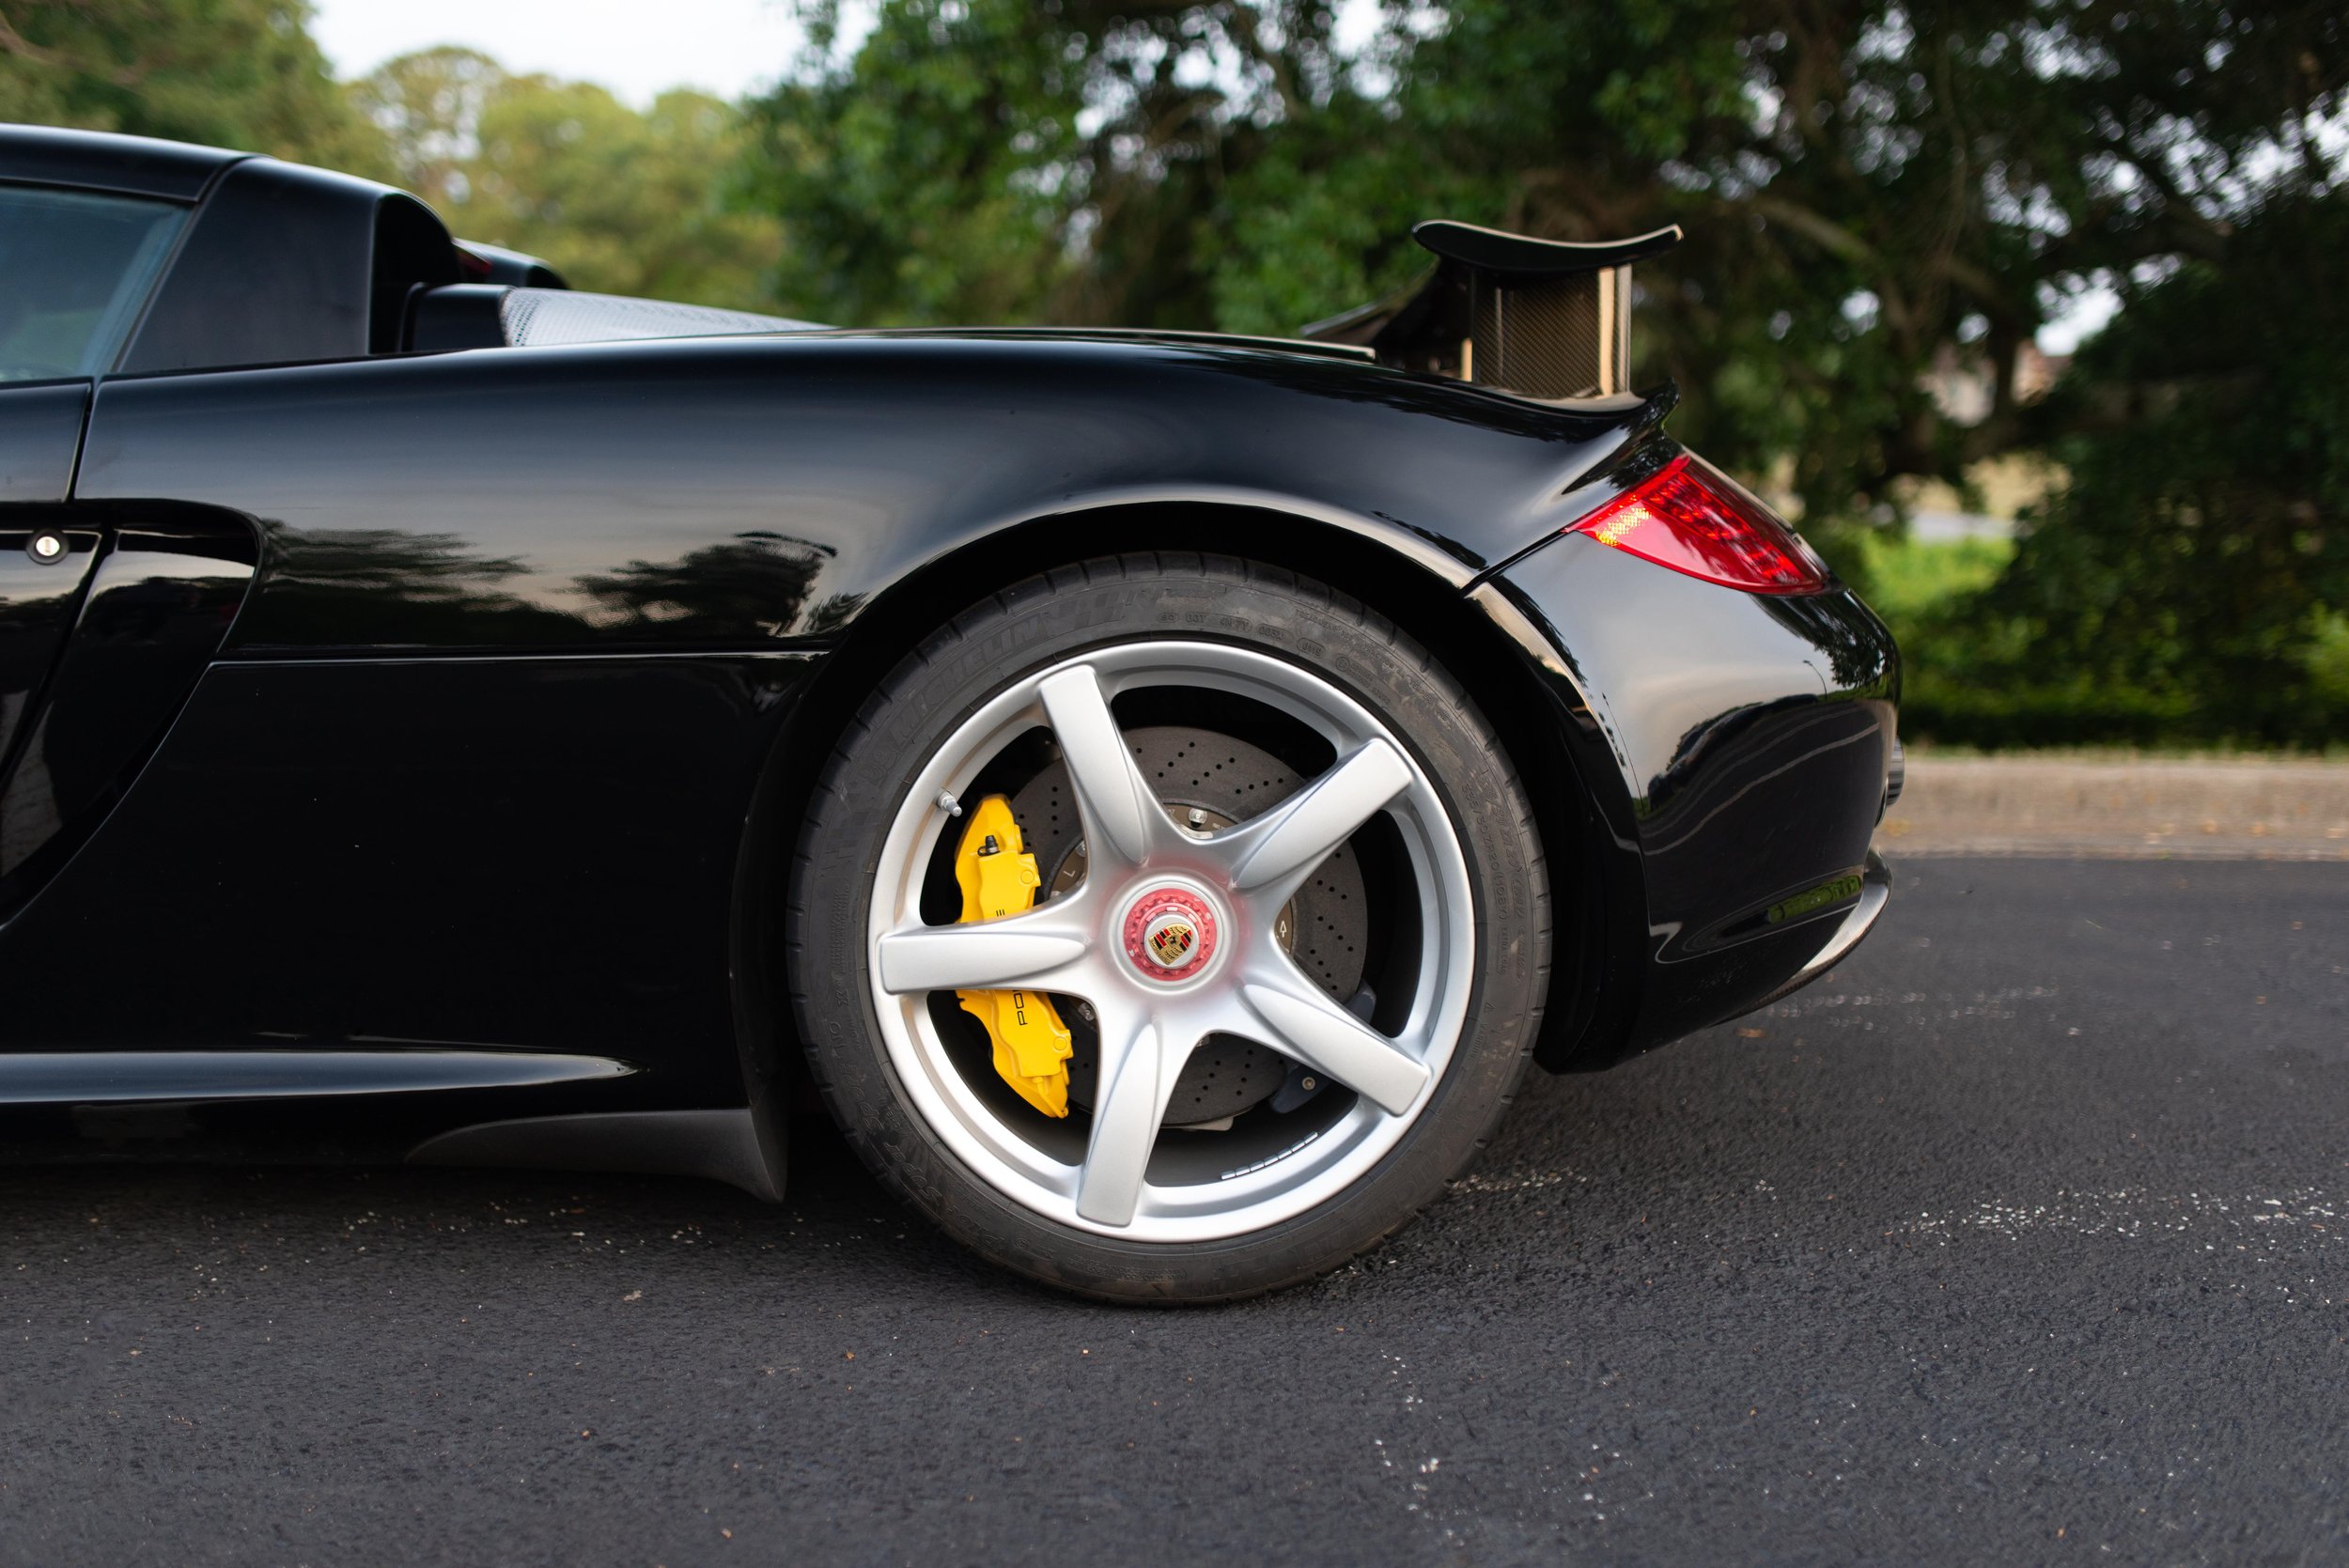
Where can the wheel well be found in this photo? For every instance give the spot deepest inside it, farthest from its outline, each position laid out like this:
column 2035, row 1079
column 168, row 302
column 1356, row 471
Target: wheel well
column 1432, row 610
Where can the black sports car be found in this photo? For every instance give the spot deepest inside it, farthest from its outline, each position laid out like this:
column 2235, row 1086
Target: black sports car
column 1164, row 787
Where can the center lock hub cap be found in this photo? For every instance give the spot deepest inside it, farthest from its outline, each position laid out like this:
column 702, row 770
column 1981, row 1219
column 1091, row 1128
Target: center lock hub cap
column 1170, row 934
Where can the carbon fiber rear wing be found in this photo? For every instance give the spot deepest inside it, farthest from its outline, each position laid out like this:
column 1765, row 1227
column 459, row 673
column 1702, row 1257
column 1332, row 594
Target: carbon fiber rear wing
column 1539, row 318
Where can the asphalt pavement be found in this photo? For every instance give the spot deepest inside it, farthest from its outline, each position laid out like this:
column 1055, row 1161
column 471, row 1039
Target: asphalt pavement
column 2022, row 1237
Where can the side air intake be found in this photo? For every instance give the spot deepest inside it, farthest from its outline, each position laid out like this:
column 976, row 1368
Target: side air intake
column 1539, row 318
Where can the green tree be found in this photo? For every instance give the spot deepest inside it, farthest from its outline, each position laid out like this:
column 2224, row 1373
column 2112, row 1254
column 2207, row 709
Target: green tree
column 428, row 105
column 236, row 73
column 625, row 202
column 2191, row 580
column 620, row 201
column 1009, row 160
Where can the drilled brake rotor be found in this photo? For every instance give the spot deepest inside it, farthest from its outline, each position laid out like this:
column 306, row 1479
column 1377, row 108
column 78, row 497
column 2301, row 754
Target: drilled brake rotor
column 1207, row 781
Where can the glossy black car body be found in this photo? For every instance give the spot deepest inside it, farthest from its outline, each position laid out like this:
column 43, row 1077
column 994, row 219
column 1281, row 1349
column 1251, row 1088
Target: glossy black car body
column 421, row 734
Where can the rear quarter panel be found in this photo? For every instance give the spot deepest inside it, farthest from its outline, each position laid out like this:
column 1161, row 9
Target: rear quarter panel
column 732, row 492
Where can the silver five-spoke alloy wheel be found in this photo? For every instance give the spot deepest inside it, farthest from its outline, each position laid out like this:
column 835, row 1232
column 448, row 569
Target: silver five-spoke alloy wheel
column 1105, row 943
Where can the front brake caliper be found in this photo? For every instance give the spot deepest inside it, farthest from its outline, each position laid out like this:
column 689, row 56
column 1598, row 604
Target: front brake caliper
column 999, row 877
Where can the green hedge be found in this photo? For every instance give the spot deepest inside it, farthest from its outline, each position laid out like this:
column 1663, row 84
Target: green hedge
column 1965, row 683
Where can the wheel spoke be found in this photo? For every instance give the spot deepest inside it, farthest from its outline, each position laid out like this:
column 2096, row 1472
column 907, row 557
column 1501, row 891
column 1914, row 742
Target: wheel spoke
column 1279, row 848
column 983, row 956
column 1113, row 799
column 1129, row 1102
column 1300, row 1022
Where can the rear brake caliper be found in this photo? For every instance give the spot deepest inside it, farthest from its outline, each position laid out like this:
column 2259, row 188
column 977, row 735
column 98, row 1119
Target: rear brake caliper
column 999, row 877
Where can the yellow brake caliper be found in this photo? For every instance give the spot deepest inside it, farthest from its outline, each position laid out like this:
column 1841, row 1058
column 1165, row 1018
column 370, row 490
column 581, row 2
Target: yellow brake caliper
column 999, row 877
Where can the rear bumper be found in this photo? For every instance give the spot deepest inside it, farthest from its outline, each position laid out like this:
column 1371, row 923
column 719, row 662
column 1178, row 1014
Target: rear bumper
column 1739, row 748
column 1875, row 891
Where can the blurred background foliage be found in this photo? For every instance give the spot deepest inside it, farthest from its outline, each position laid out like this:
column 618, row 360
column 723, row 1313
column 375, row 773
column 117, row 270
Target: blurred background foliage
column 1885, row 204
column 228, row 72
column 618, row 200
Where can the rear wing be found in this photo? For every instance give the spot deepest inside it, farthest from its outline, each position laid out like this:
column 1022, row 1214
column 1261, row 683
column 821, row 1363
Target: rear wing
column 1540, row 318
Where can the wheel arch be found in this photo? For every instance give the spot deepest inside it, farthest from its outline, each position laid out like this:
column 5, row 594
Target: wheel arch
column 1592, row 967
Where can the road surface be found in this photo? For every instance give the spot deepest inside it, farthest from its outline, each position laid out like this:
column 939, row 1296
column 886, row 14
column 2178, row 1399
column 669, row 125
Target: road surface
column 2022, row 1237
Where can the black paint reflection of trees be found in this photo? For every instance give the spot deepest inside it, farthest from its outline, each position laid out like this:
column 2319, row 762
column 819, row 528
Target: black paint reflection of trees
column 752, row 584
column 832, row 613
column 413, row 566
column 390, row 587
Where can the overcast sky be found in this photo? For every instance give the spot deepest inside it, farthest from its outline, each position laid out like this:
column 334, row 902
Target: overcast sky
column 635, row 48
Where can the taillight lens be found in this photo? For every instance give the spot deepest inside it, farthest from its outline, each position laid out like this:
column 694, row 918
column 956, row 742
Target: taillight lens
column 1691, row 520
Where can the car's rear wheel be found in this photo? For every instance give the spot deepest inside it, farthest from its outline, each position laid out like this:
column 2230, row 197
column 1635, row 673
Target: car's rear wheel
column 1289, row 903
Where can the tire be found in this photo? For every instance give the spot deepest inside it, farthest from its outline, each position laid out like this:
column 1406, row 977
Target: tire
column 1396, row 1036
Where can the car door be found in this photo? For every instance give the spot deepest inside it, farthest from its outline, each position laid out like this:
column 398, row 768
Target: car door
column 44, row 557
column 76, row 268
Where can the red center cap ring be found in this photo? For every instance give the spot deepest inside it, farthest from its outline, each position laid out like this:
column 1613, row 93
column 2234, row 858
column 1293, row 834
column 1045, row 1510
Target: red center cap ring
column 1170, row 934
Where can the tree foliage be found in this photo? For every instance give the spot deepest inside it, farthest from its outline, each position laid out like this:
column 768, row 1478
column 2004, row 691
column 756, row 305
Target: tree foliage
column 1059, row 161
column 2190, row 580
column 618, row 200
column 636, row 203
column 237, row 73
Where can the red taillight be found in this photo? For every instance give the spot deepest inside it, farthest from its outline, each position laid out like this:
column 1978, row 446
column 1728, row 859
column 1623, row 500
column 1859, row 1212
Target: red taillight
column 1678, row 519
